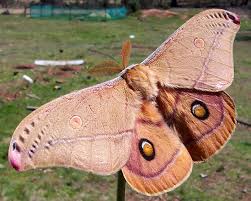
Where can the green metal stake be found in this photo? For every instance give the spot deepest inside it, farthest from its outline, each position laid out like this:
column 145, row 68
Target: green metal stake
column 121, row 187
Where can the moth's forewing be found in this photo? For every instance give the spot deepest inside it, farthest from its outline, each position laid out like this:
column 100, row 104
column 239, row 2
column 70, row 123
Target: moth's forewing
column 199, row 54
column 90, row 129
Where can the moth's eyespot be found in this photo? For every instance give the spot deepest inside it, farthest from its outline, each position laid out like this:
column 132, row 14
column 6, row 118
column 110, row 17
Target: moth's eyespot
column 199, row 110
column 199, row 42
column 146, row 149
column 15, row 147
column 76, row 122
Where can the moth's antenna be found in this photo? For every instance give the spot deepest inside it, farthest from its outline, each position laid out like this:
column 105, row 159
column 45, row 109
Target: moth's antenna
column 110, row 67
column 126, row 53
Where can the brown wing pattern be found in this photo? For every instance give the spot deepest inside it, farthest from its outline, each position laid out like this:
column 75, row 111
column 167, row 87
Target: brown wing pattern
column 171, row 164
column 199, row 54
column 90, row 129
column 204, row 135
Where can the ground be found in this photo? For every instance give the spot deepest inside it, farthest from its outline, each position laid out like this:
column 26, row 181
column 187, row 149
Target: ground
column 228, row 175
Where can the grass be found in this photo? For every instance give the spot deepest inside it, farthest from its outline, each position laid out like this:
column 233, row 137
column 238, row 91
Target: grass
column 23, row 40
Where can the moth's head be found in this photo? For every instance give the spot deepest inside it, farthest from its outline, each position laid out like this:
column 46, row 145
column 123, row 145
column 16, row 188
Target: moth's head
column 142, row 80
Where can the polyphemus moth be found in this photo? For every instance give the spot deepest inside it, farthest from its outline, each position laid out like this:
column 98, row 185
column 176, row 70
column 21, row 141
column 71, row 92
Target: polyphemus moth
column 153, row 121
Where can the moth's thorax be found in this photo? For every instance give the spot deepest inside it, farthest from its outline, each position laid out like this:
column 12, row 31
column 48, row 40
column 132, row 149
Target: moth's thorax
column 142, row 80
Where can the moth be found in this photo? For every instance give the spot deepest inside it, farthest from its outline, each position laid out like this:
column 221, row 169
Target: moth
column 154, row 121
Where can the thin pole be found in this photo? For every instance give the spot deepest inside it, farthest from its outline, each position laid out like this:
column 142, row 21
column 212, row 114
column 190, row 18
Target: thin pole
column 243, row 123
column 120, row 187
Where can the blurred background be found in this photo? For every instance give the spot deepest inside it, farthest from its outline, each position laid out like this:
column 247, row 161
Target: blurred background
column 93, row 31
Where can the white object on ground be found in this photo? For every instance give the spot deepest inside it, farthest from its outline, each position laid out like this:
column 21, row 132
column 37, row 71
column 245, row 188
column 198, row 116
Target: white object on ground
column 28, row 79
column 203, row 175
column 132, row 36
column 58, row 63
column 33, row 96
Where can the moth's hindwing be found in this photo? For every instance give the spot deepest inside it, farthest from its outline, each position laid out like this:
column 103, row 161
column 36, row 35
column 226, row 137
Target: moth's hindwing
column 204, row 121
column 159, row 162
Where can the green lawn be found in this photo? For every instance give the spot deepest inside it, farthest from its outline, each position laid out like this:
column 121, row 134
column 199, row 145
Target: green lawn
column 22, row 40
